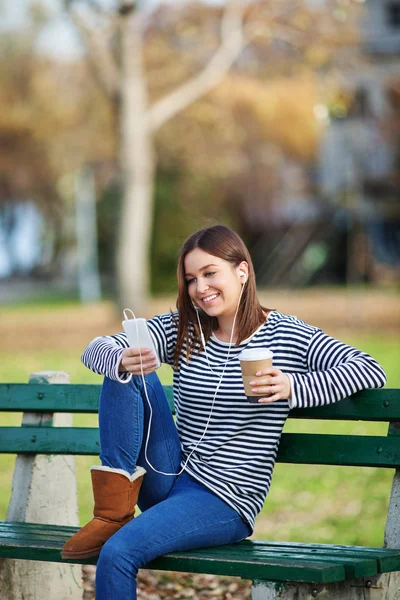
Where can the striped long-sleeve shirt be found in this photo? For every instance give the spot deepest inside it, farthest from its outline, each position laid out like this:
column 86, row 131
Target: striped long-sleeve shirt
column 236, row 457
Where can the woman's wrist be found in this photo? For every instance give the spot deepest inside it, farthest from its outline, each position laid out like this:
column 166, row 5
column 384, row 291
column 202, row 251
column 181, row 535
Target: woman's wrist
column 121, row 368
column 289, row 379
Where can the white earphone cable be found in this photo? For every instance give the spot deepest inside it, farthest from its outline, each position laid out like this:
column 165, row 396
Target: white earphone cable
column 215, row 394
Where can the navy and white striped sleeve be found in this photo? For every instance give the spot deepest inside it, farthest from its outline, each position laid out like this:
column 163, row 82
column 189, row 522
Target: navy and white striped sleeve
column 336, row 372
column 164, row 330
column 103, row 356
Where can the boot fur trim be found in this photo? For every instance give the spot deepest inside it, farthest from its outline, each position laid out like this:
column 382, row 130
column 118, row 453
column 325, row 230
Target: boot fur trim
column 138, row 472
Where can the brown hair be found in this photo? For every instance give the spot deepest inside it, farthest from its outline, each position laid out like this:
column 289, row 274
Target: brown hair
column 222, row 242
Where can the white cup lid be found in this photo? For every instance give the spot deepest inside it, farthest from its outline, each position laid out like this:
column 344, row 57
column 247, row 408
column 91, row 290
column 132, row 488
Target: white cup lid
column 255, row 354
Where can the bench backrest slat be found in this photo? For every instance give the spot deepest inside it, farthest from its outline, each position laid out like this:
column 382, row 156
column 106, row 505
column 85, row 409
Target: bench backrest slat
column 345, row 450
column 50, row 440
column 369, row 405
column 35, row 397
column 299, row 448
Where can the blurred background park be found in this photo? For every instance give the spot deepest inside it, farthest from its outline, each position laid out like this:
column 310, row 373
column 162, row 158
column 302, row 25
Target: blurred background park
column 125, row 126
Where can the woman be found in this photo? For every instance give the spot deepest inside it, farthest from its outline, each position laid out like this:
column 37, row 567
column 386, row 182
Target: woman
column 201, row 481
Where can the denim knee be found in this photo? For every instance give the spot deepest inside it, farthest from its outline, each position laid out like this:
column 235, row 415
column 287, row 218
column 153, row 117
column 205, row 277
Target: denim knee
column 136, row 382
column 116, row 557
column 109, row 555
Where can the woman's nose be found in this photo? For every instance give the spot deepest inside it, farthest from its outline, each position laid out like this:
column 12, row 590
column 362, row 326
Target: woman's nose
column 202, row 285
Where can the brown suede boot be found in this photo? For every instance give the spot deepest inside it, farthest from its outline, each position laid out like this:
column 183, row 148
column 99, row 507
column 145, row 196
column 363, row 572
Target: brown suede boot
column 115, row 495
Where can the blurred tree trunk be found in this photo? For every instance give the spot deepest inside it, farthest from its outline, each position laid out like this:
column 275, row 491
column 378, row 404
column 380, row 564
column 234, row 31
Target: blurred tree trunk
column 137, row 168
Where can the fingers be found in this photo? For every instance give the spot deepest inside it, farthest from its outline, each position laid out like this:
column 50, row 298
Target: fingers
column 134, row 360
column 265, row 389
column 136, row 369
column 272, row 393
column 136, row 352
column 273, row 383
column 272, row 398
column 274, row 371
column 267, row 377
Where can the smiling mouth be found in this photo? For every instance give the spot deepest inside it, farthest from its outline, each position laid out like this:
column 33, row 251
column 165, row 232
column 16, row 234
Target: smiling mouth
column 210, row 298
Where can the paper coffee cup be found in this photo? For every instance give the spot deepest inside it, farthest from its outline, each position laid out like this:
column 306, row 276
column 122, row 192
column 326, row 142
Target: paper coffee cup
column 253, row 360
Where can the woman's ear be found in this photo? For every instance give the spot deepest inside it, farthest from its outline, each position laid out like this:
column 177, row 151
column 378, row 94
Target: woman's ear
column 243, row 272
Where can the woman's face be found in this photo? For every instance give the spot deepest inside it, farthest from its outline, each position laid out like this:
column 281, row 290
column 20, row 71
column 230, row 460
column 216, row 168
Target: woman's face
column 214, row 284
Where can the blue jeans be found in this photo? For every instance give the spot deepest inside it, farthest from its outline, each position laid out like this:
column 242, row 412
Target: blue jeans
column 178, row 512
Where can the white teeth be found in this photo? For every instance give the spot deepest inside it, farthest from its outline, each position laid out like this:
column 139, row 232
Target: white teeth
column 209, row 298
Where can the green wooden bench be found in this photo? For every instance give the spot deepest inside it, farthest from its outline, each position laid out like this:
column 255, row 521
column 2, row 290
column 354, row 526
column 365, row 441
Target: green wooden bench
column 277, row 569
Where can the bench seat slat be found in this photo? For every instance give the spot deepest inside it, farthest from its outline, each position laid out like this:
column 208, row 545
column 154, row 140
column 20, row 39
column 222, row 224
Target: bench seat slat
column 275, row 570
column 20, row 528
column 34, row 535
column 368, row 405
column 212, row 560
column 388, row 558
column 17, row 527
column 302, row 571
column 298, row 448
column 249, row 559
column 354, row 565
column 31, row 529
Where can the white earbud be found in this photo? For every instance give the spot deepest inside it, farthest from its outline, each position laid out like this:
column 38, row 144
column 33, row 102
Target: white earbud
column 243, row 274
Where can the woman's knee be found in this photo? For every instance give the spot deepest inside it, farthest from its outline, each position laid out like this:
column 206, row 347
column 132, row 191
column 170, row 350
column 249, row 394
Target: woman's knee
column 118, row 556
column 135, row 382
column 110, row 554
column 117, row 390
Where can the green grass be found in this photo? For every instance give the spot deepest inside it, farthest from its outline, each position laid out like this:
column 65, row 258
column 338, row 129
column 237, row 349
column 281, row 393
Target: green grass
column 306, row 503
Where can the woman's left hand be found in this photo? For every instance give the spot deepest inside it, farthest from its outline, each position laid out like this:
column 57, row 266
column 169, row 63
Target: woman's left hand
column 273, row 382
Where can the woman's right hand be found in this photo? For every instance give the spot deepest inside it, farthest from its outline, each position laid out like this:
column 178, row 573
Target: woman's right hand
column 130, row 361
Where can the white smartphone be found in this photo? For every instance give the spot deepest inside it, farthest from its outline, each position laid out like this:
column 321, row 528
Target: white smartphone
column 139, row 336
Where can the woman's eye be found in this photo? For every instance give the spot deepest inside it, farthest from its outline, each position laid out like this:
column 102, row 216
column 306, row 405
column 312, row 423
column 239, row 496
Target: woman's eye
column 208, row 274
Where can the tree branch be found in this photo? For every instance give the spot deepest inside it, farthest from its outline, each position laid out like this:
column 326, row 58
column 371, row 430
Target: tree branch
column 104, row 66
column 274, row 32
column 232, row 44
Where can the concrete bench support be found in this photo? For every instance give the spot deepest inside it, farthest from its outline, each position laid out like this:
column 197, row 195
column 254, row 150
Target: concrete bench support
column 392, row 529
column 382, row 587
column 43, row 491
